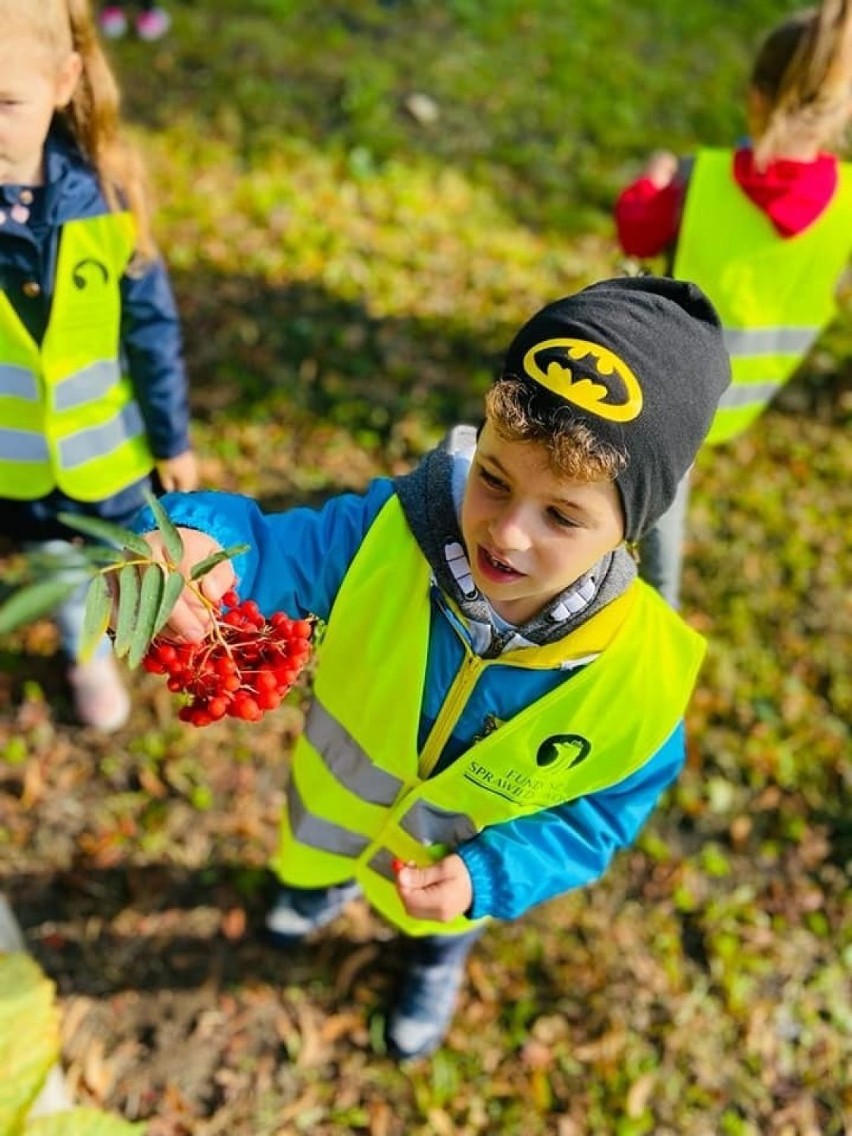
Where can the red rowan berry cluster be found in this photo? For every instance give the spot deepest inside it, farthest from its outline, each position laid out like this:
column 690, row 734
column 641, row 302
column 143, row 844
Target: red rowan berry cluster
column 242, row 670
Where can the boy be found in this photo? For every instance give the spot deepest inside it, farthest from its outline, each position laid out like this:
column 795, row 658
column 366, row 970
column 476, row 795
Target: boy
column 498, row 700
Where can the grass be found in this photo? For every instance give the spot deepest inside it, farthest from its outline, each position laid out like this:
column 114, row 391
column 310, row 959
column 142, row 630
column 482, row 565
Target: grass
column 360, row 202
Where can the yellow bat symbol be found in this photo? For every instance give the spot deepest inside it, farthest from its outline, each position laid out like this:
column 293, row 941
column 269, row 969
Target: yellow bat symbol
column 585, row 393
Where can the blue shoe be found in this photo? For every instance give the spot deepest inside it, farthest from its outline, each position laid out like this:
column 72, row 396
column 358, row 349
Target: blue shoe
column 298, row 911
column 419, row 1021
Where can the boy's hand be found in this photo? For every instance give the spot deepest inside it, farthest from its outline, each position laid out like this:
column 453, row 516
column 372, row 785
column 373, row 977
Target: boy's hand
column 178, row 474
column 191, row 620
column 440, row 892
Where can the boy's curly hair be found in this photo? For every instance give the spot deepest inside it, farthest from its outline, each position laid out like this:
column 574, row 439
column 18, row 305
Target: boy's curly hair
column 522, row 411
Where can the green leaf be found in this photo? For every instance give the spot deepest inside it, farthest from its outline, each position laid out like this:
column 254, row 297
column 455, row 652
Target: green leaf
column 29, row 1048
column 171, row 537
column 126, row 623
column 150, row 600
column 33, row 601
column 29, row 1036
column 96, row 616
column 204, row 566
column 153, row 586
column 104, row 554
column 104, row 530
column 175, row 584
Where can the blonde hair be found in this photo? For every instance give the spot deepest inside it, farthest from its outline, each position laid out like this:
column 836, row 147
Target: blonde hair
column 803, row 71
column 522, row 411
column 93, row 115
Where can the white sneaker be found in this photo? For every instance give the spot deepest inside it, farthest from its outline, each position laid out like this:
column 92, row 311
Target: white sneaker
column 100, row 698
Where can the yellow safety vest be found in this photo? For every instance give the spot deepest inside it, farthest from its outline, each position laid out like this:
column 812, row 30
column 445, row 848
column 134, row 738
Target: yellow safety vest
column 360, row 793
column 68, row 418
column 774, row 295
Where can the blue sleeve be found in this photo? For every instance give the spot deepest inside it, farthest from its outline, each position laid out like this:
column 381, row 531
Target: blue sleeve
column 153, row 350
column 296, row 560
column 516, row 865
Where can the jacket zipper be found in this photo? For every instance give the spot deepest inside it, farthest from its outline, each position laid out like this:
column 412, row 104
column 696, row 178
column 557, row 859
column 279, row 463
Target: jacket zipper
column 466, row 677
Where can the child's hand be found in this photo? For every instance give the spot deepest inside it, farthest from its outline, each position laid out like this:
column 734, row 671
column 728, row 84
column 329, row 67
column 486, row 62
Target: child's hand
column 178, row 474
column 661, row 168
column 190, row 620
column 440, row 892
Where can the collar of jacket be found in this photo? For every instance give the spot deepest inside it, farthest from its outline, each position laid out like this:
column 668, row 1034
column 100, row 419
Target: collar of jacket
column 72, row 188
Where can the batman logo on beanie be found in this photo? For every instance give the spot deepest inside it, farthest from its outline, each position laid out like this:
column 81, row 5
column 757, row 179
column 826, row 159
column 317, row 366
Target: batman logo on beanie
column 579, row 385
column 586, row 351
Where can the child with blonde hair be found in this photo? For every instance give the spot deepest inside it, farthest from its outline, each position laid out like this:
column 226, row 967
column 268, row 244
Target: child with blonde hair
column 93, row 393
column 765, row 228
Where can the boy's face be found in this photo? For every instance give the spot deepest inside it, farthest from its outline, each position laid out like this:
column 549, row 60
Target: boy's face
column 530, row 532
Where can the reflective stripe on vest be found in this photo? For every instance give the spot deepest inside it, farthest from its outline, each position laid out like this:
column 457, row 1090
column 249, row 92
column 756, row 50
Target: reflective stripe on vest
column 23, row 446
column 360, row 792
column 17, row 382
column 68, row 417
column 88, row 385
column 77, row 449
column 774, row 295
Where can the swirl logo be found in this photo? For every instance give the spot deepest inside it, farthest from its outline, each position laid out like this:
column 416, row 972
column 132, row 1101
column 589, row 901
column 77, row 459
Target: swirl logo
column 569, row 749
column 86, row 272
column 619, row 405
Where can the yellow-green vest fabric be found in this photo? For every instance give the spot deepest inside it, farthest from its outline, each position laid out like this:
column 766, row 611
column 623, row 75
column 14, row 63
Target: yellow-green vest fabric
column 360, row 794
column 774, row 295
column 68, row 418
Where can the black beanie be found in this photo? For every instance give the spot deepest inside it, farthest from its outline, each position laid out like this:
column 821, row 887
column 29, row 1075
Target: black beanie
column 641, row 361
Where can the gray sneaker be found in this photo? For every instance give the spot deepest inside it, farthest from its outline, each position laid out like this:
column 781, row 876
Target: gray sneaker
column 298, row 911
column 426, row 1000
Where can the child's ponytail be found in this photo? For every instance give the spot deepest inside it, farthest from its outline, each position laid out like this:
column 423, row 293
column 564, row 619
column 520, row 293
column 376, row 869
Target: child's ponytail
column 804, row 73
column 93, row 116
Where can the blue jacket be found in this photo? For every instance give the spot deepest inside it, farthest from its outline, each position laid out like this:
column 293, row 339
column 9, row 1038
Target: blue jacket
column 296, row 563
column 150, row 334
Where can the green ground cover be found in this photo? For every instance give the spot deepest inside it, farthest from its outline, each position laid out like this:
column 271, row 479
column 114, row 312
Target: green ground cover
column 360, row 202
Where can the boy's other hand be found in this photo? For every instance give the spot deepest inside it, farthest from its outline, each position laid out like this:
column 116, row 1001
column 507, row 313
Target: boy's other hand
column 439, row 892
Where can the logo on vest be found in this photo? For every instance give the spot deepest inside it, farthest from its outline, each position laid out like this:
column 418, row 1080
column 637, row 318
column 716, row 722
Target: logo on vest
column 547, row 783
column 86, row 272
column 567, row 749
column 619, row 401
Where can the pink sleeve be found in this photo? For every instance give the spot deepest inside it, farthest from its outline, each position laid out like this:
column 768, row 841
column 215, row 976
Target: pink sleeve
column 647, row 218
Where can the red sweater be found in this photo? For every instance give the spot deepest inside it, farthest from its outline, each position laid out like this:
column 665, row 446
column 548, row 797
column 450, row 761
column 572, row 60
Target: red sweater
column 791, row 194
